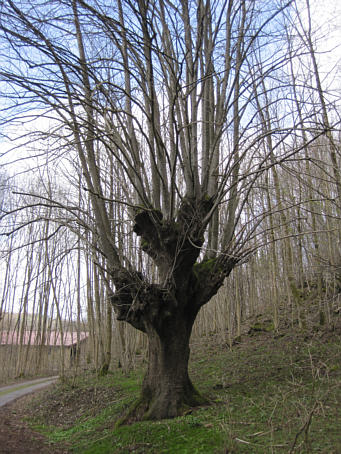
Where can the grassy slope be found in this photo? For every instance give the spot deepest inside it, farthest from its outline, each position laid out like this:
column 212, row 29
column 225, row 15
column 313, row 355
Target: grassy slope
column 273, row 394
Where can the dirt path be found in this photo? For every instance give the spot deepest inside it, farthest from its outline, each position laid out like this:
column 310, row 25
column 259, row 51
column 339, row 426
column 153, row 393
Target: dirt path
column 15, row 435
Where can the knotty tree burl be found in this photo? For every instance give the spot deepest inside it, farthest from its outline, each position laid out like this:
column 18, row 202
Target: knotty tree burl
column 163, row 91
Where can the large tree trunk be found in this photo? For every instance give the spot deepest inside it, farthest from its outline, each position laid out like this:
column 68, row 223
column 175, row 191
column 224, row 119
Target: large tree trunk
column 166, row 311
column 167, row 390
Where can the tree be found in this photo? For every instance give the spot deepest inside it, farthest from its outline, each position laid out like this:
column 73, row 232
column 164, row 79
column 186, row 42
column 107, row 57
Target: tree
column 156, row 94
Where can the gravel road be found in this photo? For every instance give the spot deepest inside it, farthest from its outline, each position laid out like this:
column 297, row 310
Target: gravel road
column 12, row 392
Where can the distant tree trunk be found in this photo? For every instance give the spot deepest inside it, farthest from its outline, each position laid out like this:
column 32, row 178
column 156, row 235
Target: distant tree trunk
column 20, row 368
column 100, row 356
column 90, row 311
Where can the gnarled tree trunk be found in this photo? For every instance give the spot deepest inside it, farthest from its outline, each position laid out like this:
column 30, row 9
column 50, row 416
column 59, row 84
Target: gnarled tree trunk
column 167, row 390
column 166, row 311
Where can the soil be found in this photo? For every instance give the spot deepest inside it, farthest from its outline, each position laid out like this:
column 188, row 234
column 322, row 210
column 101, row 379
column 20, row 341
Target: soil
column 15, row 435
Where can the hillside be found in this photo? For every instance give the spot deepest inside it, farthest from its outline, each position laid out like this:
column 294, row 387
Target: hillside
column 270, row 393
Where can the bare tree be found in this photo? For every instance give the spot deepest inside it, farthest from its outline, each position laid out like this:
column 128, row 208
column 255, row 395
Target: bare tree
column 157, row 95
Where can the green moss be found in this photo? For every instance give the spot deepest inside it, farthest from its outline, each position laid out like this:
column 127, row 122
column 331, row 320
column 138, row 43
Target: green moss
column 144, row 244
column 133, row 409
column 203, row 268
column 322, row 317
column 266, row 326
column 296, row 292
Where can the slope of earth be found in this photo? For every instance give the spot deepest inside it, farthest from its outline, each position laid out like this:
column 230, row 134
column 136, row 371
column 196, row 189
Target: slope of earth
column 271, row 393
column 16, row 436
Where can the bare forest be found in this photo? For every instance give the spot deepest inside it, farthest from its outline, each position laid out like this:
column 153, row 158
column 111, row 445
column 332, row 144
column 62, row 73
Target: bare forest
column 168, row 169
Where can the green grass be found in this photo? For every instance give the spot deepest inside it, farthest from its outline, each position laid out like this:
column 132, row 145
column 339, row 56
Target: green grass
column 185, row 435
column 270, row 396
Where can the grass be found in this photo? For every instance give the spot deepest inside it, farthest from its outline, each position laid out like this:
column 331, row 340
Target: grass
column 271, row 395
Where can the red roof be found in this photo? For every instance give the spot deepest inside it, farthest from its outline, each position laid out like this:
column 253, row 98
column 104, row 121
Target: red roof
column 52, row 338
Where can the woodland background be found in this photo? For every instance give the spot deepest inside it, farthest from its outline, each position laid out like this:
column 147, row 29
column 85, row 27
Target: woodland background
column 52, row 279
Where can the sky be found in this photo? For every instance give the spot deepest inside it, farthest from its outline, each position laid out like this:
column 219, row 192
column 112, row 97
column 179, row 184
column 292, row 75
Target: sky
column 326, row 17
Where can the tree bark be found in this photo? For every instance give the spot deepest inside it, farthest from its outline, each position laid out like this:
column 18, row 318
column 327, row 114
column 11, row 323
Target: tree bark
column 167, row 390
